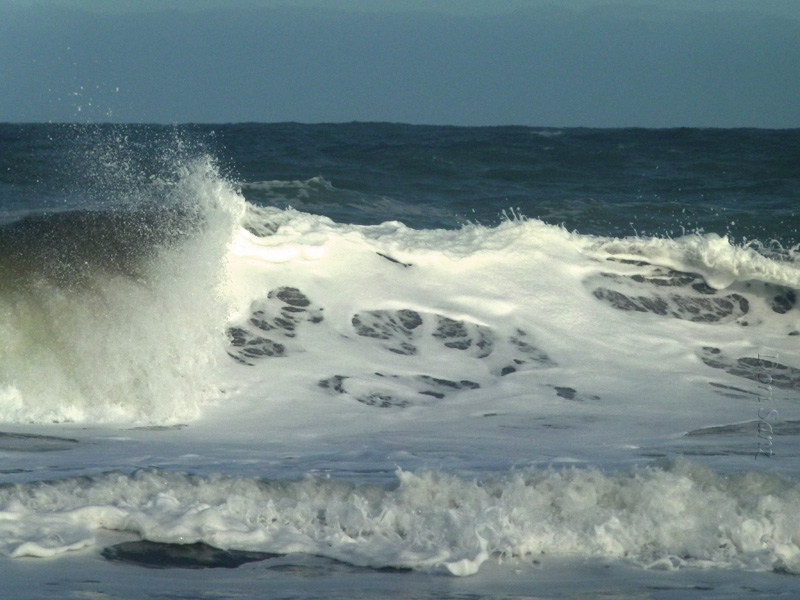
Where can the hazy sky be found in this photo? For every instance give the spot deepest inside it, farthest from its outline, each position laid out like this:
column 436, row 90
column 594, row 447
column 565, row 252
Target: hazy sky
column 597, row 63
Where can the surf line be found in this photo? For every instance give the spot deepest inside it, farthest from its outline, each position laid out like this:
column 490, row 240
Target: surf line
column 767, row 415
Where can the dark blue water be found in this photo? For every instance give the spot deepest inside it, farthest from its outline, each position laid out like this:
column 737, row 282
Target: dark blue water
column 744, row 183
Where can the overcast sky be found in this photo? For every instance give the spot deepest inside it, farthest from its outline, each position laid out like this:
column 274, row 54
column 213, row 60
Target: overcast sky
column 595, row 63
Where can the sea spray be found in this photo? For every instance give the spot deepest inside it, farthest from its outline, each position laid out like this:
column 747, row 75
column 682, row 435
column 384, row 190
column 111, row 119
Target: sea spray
column 120, row 307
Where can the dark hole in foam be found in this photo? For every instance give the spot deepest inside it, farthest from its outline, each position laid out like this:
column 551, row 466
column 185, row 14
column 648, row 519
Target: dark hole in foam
column 181, row 556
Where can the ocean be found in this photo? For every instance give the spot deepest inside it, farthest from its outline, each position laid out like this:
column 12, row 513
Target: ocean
column 374, row 360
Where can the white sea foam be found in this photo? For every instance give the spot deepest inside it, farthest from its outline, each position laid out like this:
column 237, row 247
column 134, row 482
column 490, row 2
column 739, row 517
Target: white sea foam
column 145, row 348
column 664, row 518
column 516, row 344
column 720, row 262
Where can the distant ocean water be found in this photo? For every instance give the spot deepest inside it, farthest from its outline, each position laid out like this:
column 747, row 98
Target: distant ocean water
column 440, row 349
